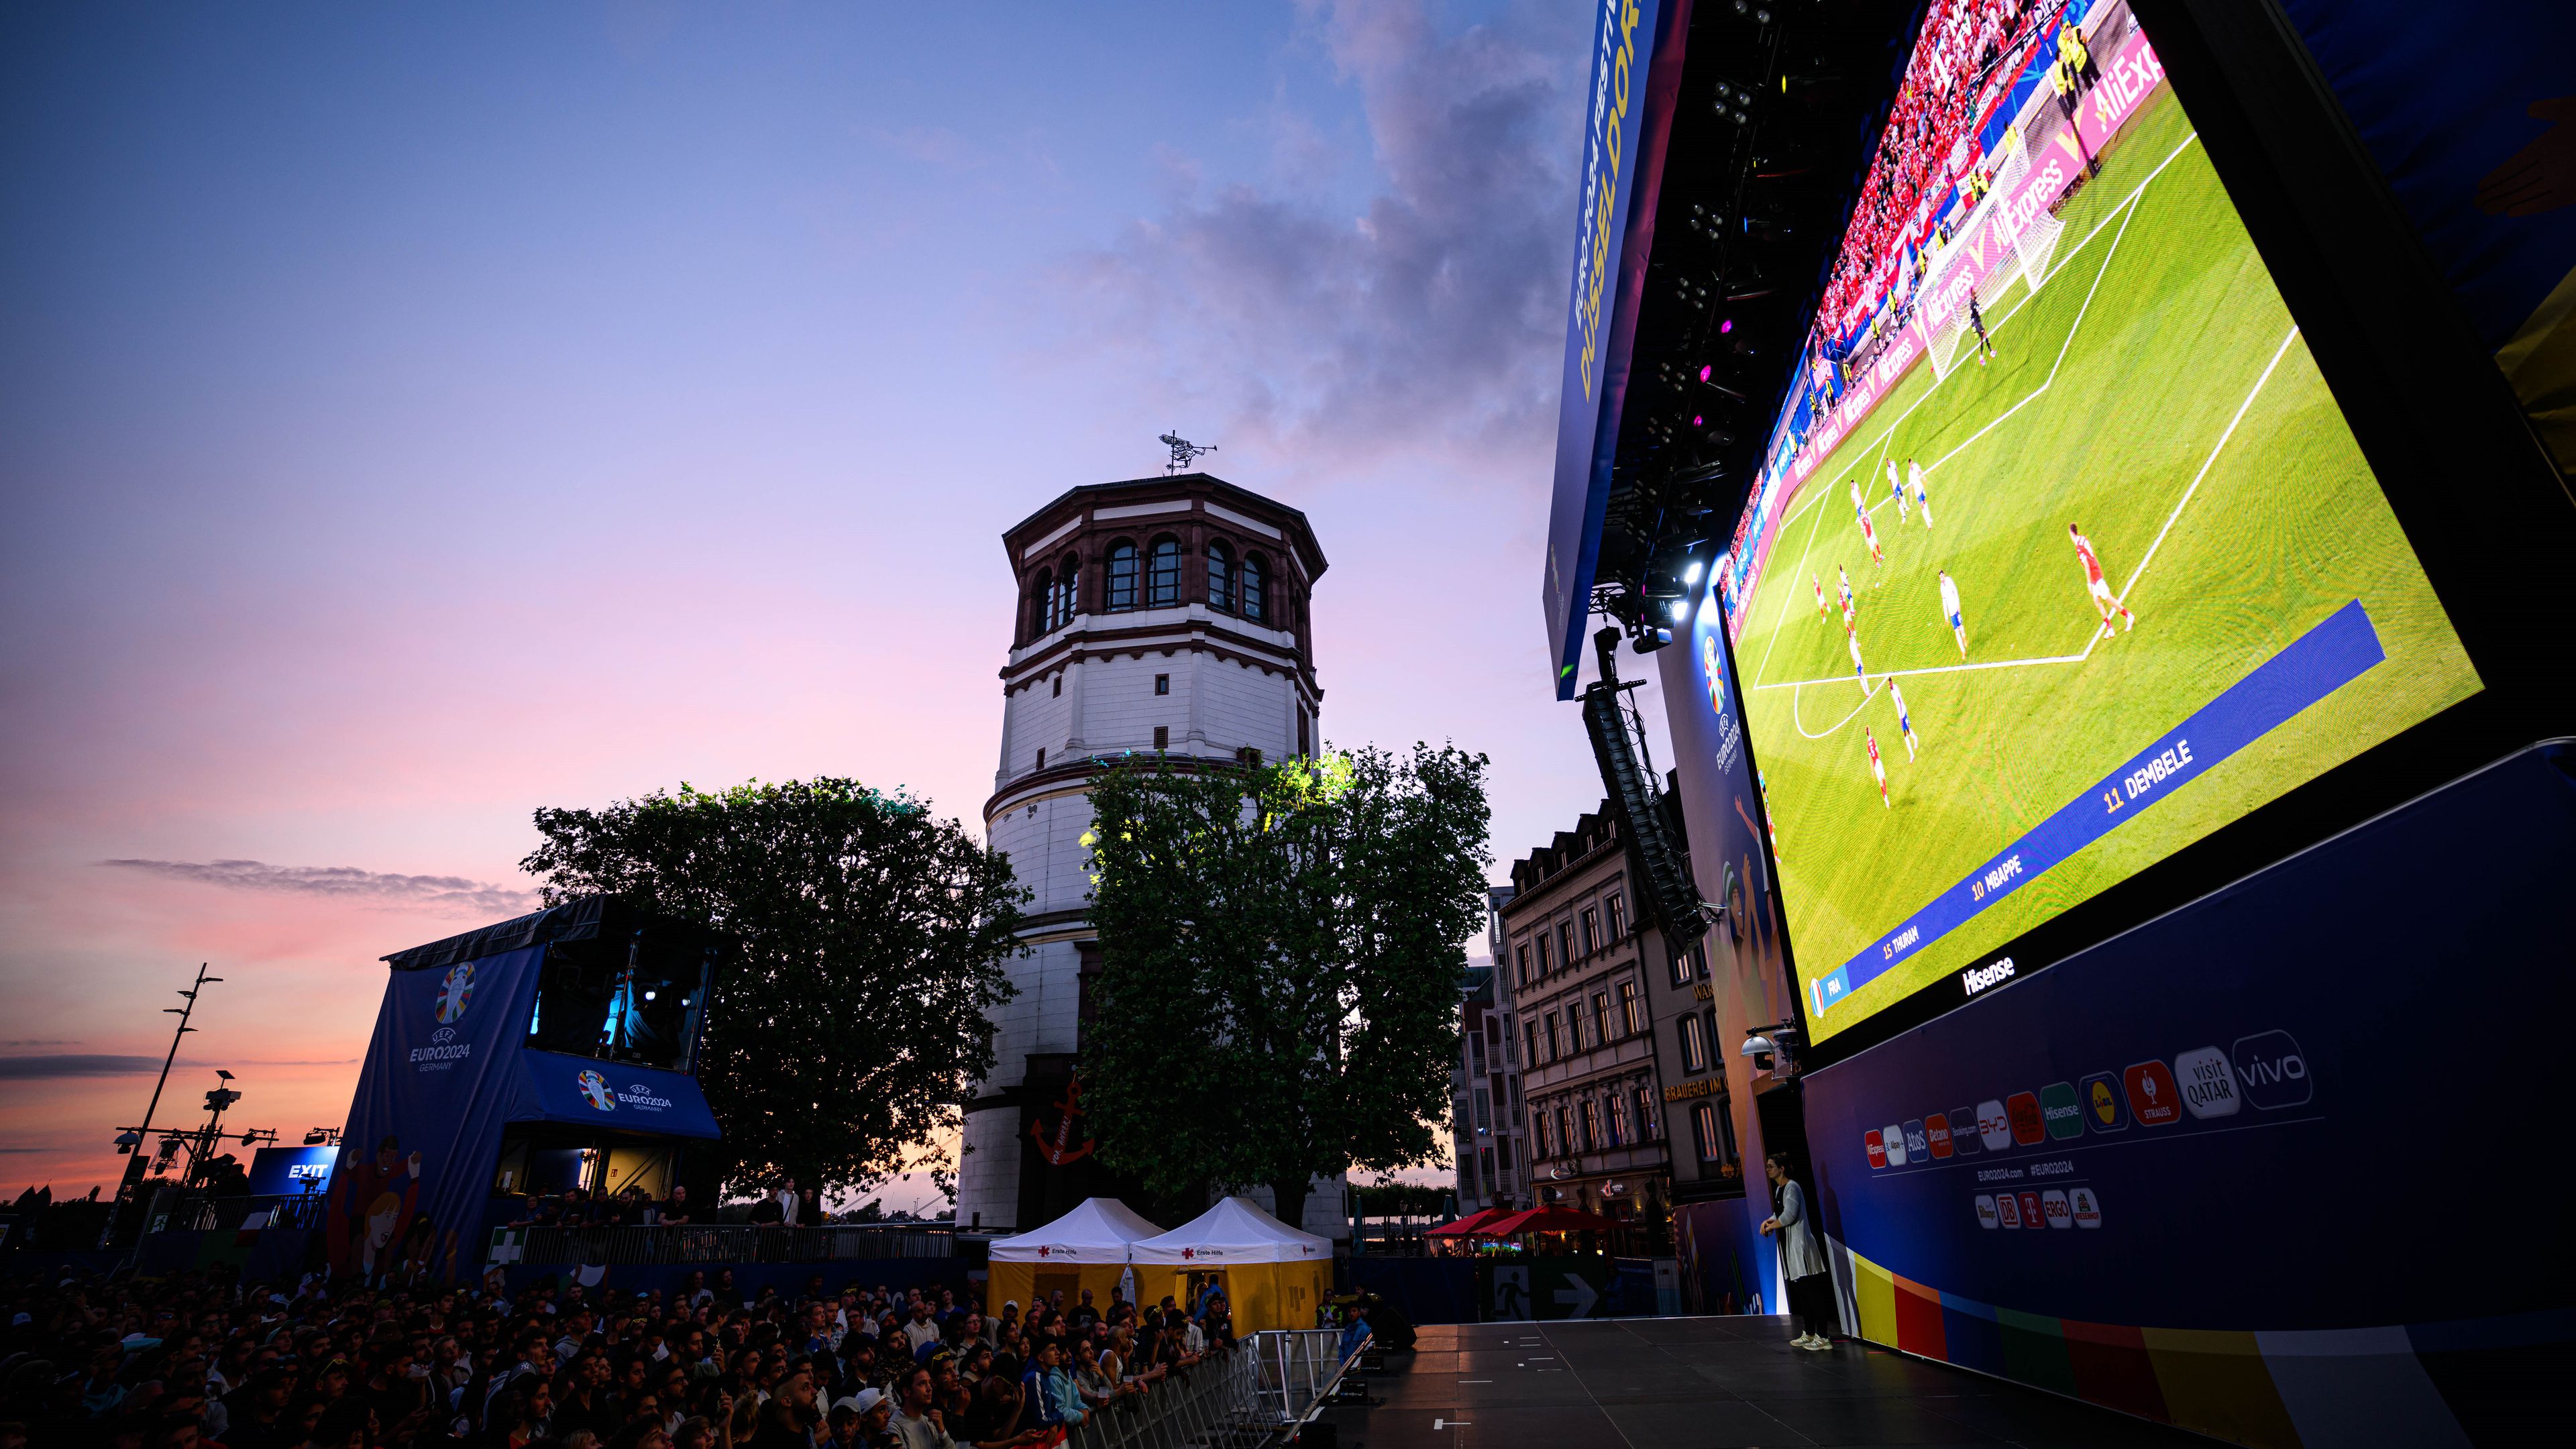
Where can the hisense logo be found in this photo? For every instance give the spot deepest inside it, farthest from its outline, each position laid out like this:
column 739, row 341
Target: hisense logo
column 1978, row 978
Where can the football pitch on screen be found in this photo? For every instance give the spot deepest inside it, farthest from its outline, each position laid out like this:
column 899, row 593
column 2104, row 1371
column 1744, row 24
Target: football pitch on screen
column 2155, row 393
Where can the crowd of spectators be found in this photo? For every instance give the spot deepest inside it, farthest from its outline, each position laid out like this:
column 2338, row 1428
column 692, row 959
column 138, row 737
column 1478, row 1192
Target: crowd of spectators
column 204, row 1360
column 1927, row 144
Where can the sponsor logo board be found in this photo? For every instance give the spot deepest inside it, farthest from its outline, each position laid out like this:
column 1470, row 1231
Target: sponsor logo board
column 1987, row 1217
column 2271, row 1071
column 2058, row 1108
column 2087, row 1208
column 2208, row 1083
column 2103, row 1109
column 2022, row 1110
column 1876, row 1146
column 2154, row 1100
column 2053, row 1207
column 1936, row 1131
column 1893, row 1137
column 1917, row 1145
column 1965, row 1138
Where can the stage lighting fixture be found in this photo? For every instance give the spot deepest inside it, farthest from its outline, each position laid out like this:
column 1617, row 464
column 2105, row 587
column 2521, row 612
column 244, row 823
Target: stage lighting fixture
column 1726, row 326
column 1681, row 610
column 1691, row 574
column 1704, row 372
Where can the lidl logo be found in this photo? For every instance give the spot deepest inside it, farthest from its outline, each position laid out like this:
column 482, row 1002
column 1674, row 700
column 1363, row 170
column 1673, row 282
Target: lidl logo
column 1987, row 1217
column 455, row 992
column 2154, row 1100
column 2103, row 1111
column 1917, row 1146
column 1877, row 1146
column 1936, row 1131
column 2028, row 1128
column 1993, row 1126
column 2053, row 1208
column 2272, row 1072
column 2208, row 1083
column 1894, row 1138
column 595, row 1090
column 2087, row 1207
column 1963, row 1132
column 2058, row 1109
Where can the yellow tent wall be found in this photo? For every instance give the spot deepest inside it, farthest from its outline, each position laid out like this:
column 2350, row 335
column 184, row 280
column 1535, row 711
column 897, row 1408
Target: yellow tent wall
column 1263, row 1295
column 1023, row 1283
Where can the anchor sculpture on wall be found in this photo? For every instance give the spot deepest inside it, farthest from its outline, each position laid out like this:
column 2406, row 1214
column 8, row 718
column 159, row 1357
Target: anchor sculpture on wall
column 1059, row 1147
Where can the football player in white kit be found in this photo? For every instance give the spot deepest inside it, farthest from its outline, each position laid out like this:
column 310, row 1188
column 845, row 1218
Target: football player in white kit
column 1922, row 500
column 1896, row 489
column 1852, row 637
column 1904, row 726
column 1950, row 611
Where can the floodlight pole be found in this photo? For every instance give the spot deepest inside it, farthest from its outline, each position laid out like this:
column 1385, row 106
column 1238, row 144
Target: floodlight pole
column 134, row 1163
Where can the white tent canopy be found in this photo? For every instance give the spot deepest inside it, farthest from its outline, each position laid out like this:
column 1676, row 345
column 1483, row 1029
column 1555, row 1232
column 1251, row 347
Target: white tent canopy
column 1099, row 1231
column 1234, row 1231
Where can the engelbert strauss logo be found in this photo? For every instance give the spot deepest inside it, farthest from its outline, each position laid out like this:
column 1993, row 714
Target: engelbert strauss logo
column 455, row 991
column 594, row 1090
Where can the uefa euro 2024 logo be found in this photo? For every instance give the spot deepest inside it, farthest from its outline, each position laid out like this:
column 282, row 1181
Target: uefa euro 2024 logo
column 1716, row 671
column 455, row 992
column 595, row 1091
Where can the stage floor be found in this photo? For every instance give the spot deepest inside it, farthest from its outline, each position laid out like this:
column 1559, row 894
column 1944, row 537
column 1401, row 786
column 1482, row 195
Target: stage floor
column 1701, row 1383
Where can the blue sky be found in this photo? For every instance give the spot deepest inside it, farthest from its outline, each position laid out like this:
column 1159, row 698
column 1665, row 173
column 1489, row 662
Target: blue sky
column 412, row 416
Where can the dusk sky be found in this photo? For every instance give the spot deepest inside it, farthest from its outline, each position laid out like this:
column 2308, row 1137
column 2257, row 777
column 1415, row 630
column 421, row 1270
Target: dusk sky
column 414, row 416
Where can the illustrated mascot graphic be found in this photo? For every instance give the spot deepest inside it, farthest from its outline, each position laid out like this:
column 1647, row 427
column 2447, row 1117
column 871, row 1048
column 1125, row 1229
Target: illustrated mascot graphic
column 372, row 1207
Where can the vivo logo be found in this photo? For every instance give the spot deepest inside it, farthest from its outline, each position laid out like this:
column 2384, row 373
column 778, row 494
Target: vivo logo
column 2271, row 1071
column 1978, row 978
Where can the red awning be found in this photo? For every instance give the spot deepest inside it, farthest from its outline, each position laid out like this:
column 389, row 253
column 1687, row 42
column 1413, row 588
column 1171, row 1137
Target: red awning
column 1547, row 1220
column 1472, row 1223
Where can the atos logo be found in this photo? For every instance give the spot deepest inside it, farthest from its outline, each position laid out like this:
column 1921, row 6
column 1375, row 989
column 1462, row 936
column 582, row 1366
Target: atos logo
column 2272, row 1071
column 1917, row 1146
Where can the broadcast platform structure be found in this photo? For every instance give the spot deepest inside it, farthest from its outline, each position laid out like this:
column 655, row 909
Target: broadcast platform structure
column 2108, row 635
column 1273, row 1275
column 1086, row 1248
column 544, row 1053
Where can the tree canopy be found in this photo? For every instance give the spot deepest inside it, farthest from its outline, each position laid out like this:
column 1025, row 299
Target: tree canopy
column 865, row 941
column 1280, row 962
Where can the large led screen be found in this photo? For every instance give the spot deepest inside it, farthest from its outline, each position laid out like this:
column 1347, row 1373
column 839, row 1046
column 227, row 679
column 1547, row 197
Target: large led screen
column 2065, row 557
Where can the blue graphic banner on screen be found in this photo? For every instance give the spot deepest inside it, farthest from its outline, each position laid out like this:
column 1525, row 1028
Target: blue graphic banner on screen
column 284, row 1171
column 2319, row 662
column 1635, row 72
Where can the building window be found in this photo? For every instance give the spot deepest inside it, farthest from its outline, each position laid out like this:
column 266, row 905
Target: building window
column 1162, row 737
column 1591, row 931
column 1602, row 1026
column 1122, row 576
column 1041, row 757
column 1058, row 691
column 1565, row 942
column 1503, row 1151
column 1529, row 1041
column 1162, row 684
column 1485, row 1160
column 1484, row 1111
column 1248, row 757
column 1475, row 1054
column 1628, row 1008
column 1523, row 965
column 1645, row 1115
column 1516, row 1097
column 1302, row 749
column 1163, row 574
column 1221, row 577
column 1068, row 593
column 1042, row 603
column 1694, row 1045
column 1543, row 967
column 1574, row 1024
column 1591, row 1125
column 1683, row 969
column 1555, row 1036
column 1252, row 589
column 1618, row 912
column 1622, row 1131
column 1564, row 1134
column 1704, row 1132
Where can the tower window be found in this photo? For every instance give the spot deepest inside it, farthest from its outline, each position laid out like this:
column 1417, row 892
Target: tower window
column 1041, row 757
column 1059, row 687
column 1163, row 574
column 1302, row 748
column 1248, row 757
column 1042, row 610
column 1220, row 576
column 1122, row 576
column 1253, row 589
column 1068, row 593
column 1162, row 684
column 1162, row 737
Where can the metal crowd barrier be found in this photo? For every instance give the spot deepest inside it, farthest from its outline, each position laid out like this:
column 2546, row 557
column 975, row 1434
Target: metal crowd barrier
column 1265, row 1388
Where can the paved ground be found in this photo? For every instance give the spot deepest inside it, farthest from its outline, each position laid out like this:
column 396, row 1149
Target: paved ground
column 1701, row 1383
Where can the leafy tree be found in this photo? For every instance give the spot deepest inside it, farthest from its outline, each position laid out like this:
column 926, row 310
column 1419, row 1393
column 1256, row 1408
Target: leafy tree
column 864, row 942
column 1280, row 959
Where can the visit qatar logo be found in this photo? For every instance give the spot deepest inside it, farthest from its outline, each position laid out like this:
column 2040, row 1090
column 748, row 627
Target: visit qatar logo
column 595, row 1091
column 455, row 991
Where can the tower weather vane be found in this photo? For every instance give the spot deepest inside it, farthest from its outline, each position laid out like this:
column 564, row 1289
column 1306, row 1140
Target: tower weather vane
column 1183, row 450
